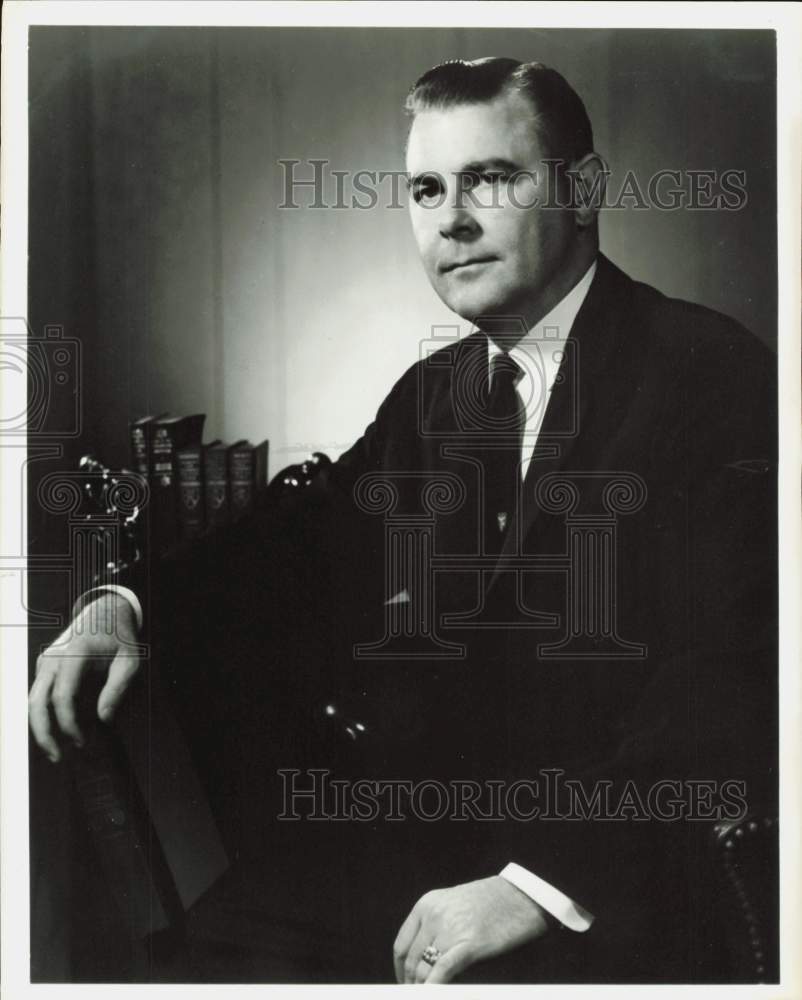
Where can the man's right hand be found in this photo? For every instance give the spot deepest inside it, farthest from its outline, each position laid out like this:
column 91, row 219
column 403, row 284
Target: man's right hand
column 103, row 637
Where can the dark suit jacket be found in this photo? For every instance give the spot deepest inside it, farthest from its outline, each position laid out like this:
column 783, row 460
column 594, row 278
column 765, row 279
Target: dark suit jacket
column 675, row 404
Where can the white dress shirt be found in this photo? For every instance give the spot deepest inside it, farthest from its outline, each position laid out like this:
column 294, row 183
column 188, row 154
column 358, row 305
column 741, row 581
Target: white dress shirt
column 539, row 356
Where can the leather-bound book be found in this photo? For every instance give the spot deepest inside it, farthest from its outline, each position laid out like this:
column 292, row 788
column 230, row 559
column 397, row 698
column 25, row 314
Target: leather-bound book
column 119, row 827
column 141, row 431
column 247, row 474
column 216, row 485
column 146, row 811
column 191, row 501
column 170, row 435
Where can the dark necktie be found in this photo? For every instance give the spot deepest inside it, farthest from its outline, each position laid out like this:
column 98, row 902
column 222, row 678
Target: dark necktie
column 505, row 424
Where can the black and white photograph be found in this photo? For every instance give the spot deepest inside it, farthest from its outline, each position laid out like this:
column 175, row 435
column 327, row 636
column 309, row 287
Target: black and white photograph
column 400, row 441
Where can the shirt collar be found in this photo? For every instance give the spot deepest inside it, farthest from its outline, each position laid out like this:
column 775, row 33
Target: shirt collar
column 560, row 319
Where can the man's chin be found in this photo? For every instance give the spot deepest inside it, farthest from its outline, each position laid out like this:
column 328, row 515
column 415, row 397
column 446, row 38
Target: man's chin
column 468, row 306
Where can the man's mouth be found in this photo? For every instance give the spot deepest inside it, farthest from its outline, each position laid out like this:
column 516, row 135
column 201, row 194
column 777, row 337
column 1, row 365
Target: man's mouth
column 469, row 262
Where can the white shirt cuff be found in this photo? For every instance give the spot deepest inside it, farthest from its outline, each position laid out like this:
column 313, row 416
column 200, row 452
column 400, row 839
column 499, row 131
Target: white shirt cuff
column 124, row 592
column 570, row 914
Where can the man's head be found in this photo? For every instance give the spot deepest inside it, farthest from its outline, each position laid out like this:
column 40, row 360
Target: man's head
column 485, row 207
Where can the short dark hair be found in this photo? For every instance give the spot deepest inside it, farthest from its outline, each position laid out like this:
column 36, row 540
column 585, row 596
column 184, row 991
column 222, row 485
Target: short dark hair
column 561, row 120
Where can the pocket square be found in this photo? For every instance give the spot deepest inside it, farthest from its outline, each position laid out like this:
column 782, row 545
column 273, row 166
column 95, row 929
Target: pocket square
column 402, row 597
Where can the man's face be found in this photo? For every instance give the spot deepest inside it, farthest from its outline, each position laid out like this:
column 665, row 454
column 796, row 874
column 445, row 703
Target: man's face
column 486, row 250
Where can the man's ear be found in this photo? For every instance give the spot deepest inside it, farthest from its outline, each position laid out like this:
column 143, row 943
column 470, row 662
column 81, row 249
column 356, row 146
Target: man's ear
column 588, row 182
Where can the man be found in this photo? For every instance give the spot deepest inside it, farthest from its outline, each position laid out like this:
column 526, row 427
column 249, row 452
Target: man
column 606, row 572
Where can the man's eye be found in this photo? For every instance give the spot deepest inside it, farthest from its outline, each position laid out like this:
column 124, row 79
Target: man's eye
column 426, row 189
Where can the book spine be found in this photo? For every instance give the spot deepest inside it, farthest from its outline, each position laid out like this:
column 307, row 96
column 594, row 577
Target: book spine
column 120, row 831
column 190, row 492
column 169, row 436
column 262, row 458
column 242, row 481
column 140, row 450
column 216, row 493
column 163, row 487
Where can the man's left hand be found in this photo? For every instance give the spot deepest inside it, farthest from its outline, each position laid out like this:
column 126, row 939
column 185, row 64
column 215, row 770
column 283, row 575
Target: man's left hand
column 466, row 923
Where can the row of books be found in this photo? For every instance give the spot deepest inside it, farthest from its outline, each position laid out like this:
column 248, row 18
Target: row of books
column 194, row 487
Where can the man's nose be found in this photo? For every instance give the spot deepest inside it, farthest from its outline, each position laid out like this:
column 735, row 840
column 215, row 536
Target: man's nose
column 456, row 221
